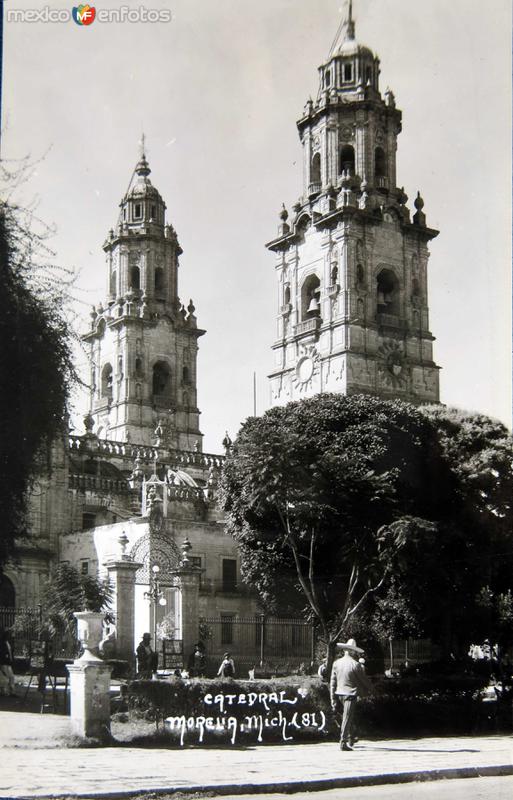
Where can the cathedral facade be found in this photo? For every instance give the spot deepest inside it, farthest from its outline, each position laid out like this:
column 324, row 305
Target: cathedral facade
column 351, row 261
column 353, row 317
column 137, row 485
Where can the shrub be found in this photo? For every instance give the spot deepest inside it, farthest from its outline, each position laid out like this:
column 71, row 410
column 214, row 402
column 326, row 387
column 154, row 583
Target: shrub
column 414, row 706
column 251, row 710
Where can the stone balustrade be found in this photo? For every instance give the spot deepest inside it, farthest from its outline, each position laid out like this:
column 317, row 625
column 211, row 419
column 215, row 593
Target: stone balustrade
column 129, row 451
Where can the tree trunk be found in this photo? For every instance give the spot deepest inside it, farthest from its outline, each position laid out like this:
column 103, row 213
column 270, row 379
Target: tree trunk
column 330, row 658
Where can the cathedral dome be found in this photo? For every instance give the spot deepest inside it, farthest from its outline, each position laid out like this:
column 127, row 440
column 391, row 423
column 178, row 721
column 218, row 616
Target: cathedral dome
column 350, row 47
column 142, row 186
column 142, row 203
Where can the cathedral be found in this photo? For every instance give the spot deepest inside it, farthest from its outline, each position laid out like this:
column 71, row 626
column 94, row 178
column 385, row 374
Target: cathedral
column 353, row 317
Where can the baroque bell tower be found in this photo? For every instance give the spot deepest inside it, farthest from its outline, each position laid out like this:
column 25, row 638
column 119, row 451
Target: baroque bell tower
column 143, row 342
column 351, row 264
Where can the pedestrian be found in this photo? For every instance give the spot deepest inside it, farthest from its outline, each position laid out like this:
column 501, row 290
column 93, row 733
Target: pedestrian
column 321, row 672
column 197, row 661
column 227, row 668
column 147, row 659
column 6, row 663
column 348, row 681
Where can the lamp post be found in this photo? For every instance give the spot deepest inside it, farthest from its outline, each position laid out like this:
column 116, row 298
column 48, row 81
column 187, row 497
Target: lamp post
column 155, row 595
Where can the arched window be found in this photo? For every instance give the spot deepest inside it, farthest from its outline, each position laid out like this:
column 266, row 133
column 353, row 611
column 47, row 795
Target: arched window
column 107, row 381
column 113, row 288
column 387, row 293
column 135, row 278
column 186, row 378
column 310, row 297
column 315, row 169
column 327, row 78
column 286, row 296
column 159, row 280
column 138, row 367
column 415, row 287
column 161, row 383
column 346, row 163
column 380, row 163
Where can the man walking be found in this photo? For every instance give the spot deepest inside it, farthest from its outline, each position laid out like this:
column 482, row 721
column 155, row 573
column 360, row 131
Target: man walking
column 348, row 680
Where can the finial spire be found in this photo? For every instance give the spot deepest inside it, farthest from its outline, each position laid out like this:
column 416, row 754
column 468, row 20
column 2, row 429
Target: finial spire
column 142, row 167
column 350, row 21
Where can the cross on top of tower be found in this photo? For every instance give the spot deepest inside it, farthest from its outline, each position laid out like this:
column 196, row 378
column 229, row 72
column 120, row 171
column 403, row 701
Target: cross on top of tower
column 345, row 34
column 350, row 21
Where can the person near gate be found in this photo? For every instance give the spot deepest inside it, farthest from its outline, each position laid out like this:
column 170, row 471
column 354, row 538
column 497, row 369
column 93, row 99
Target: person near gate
column 197, row 661
column 348, row 682
column 147, row 659
column 227, row 668
column 7, row 682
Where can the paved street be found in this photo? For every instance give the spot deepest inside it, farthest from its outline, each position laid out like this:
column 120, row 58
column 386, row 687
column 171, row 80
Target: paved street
column 467, row 789
column 50, row 769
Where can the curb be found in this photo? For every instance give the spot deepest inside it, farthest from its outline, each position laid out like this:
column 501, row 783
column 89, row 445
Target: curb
column 289, row 787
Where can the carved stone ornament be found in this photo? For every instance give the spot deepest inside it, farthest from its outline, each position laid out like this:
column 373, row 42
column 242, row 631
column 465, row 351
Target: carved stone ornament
column 307, row 368
column 394, row 368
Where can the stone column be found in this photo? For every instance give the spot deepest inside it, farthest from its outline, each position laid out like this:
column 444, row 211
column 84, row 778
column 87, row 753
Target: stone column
column 189, row 582
column 90, row 682
column 122, row 578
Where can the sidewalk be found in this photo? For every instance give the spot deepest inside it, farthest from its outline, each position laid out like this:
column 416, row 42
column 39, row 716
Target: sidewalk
column 33, row 763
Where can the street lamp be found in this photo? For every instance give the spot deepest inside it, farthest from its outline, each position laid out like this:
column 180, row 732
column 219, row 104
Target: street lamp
column 155, row 595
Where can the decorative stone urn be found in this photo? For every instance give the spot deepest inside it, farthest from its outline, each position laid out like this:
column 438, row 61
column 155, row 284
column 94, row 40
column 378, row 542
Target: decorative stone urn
column 89, row 630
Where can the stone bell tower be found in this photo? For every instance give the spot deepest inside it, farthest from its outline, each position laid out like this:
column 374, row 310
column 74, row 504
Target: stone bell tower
column 143, row 342
column 351, row 264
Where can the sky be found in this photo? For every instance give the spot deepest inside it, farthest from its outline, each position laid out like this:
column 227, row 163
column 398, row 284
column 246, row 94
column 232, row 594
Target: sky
column 217, row 92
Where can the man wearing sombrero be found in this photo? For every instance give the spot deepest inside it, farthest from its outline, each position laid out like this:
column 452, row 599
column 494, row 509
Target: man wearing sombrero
column 348, row 680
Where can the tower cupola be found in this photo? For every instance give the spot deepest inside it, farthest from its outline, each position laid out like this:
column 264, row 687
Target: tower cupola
column 142, row 203
column 351, row 68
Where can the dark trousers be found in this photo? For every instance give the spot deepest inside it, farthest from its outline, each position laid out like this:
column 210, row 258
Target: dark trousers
column 346, row 706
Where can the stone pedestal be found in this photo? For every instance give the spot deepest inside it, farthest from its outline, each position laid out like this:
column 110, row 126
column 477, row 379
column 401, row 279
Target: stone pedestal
column 90, row 682
column 122, row 578
column 90, row 698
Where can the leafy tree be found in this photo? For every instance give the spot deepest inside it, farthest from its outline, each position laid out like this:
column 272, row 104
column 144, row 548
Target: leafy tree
column 456, row 585
column 68, row 591
column 35, row 364
column 377, row 518
column 321, row 495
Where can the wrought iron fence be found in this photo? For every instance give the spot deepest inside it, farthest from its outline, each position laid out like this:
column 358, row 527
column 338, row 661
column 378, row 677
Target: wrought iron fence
column 275, row 644
column 26, row 626
column 399, row 652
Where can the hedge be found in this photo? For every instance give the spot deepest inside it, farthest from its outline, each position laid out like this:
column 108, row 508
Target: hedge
column 285, row 710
